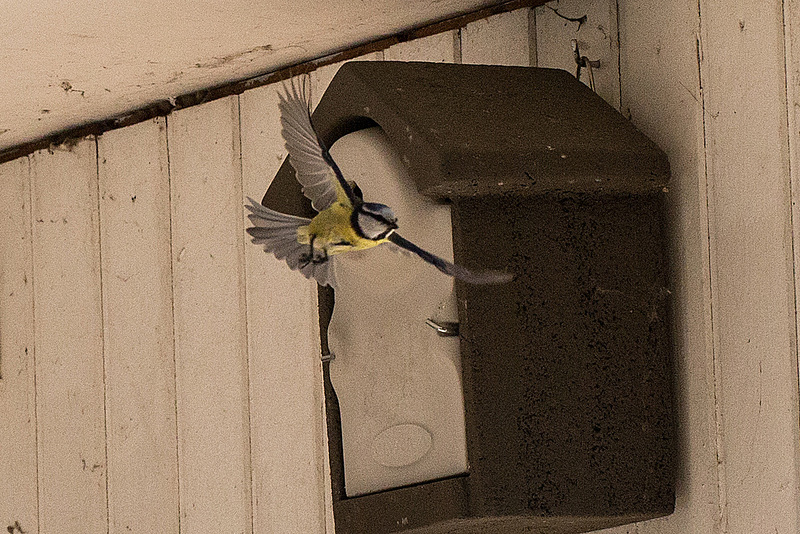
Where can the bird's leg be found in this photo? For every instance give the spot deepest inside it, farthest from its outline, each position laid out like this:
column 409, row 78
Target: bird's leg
column 305, row 259
column 320, row 259
column 311, row 256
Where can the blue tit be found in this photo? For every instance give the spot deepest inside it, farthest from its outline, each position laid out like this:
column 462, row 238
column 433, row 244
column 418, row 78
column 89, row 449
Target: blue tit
column 344, row 222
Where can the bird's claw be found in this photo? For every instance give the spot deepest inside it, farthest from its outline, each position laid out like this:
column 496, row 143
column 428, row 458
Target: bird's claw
column 305, row 259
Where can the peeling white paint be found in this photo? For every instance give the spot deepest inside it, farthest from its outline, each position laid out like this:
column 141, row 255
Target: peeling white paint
column 71, row 63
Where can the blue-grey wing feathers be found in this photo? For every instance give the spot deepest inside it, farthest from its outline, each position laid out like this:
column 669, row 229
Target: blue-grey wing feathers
column 306, row 154
column 451, row 269
column 277, row 233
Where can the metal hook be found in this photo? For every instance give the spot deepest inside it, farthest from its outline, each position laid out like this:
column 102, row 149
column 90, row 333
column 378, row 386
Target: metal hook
column 443, row 328
column 583, row 62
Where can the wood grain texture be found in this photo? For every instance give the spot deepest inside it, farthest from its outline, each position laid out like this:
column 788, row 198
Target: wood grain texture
column 743, row 80
column 498, row 40
column 791, row 23
column 18, row 461
column 289, row 485
column 69, row 340
column 138, row 334
column 210, row 336
column 598, row 39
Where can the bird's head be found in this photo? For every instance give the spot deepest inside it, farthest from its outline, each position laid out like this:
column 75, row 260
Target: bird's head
column 374, row 221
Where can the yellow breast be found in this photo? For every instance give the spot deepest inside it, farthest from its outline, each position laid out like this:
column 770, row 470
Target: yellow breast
column 333, row 232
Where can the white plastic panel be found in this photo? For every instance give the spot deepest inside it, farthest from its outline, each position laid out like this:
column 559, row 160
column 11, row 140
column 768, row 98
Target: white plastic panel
column 398, row 382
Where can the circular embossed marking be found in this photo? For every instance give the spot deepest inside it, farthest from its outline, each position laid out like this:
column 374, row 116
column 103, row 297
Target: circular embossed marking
column 401, row 445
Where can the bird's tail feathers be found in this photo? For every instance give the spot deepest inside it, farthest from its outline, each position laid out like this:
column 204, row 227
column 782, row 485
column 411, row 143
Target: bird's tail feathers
column 264, row 217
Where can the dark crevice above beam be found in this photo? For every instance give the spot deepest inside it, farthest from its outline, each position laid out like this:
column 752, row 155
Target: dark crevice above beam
column 165, row 107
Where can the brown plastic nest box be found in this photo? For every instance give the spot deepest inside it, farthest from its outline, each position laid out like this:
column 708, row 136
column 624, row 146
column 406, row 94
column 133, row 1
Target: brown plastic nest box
column 567, row 370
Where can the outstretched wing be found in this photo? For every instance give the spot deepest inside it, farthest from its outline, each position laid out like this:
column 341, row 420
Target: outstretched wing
column 277, row 233
column 451, row 269
column 315, row 169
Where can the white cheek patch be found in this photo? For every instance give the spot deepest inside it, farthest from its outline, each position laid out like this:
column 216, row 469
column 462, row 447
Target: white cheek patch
column 371, row 226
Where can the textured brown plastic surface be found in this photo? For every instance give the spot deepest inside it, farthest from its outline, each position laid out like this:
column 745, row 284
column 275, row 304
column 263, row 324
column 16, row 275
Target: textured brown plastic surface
column 466, row 130
column 567, row 375
column 567, row 370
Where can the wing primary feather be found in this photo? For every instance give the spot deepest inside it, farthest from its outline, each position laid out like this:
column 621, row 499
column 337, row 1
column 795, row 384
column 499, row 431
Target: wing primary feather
column 451, row 269
column 307, row 153
column 339, row 176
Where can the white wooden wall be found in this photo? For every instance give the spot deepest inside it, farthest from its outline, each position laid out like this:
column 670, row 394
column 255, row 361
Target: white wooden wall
column 160, row 374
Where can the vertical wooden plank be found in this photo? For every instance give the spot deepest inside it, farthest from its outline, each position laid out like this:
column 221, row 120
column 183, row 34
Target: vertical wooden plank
column 138, row 337
column 659, row 76
column 69, row 340
column 792, row 47
column 498, row 40
column 289, row 486
column 597, row 37
column 209, row 315
column 743, row 79
column 18, row 465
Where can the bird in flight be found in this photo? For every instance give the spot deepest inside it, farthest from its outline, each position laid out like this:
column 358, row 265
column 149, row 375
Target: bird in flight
column 344, row 222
